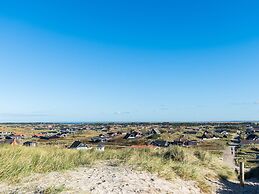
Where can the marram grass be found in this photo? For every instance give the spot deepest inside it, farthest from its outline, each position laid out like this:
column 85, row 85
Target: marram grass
column 188, row 164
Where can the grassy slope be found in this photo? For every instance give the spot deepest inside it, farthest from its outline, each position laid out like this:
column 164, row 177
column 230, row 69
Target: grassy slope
column 189, row 164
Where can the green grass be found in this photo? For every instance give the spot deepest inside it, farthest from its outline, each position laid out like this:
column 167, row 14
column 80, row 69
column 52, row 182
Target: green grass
column 186, row 163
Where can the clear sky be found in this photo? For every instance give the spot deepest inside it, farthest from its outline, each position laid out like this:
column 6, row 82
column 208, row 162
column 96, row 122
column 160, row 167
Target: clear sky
column 129, row 60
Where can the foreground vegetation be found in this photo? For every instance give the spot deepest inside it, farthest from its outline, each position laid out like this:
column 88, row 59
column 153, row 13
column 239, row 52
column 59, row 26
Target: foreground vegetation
column 186, row 163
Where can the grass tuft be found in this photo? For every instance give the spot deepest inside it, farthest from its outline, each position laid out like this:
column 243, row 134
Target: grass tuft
column 176, row 154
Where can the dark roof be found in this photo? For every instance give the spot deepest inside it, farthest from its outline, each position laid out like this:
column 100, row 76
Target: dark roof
column 246, row 142
column 29, row 143
column 131, row 134
column 160, row 143
column 191, row 142
column 44, row 137
column 10, row 141
column 156, row 131
column 252, row 137
column 77, row 144
column 96, row 139
column 207, row 135
column 126, row 136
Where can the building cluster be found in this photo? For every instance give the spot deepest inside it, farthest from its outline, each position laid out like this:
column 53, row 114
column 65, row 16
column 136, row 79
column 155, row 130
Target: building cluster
column 130, row 134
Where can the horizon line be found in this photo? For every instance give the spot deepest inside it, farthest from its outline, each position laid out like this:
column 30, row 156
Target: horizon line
column 90, row 122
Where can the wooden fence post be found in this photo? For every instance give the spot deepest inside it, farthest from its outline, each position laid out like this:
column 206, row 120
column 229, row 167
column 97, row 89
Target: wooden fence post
column 242, row 174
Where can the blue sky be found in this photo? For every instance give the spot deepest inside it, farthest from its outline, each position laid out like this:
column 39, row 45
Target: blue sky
column 129, row 60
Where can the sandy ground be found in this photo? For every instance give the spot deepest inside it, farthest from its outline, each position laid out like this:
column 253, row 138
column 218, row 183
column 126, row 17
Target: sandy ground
column 233, row 187
column 102, row 179
column 228, row 157
column 112, row 179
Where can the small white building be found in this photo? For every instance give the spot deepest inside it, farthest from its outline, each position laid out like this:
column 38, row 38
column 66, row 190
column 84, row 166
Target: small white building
column 100, row 148
column 78, row 145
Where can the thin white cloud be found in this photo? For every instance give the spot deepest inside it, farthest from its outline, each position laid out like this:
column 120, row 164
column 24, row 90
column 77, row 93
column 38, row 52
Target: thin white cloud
column 121, row 113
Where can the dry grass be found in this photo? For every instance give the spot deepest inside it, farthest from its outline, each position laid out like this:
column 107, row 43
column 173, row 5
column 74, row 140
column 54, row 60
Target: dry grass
column 27, row 131
column 188, row 164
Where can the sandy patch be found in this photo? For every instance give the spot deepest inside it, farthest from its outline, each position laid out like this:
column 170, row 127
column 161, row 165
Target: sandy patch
column 102, row 179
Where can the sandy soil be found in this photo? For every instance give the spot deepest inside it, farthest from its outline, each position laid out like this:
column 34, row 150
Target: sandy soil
column 102, row 179
column 110, row 179
column 228, row 158
column 233, row 187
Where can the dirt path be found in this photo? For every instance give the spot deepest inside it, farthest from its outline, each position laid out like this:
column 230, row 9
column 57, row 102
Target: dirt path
column 102, row 179
column 233, row 187
column 228, row 157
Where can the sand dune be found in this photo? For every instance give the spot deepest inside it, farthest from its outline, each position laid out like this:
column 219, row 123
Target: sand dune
column 102, row 179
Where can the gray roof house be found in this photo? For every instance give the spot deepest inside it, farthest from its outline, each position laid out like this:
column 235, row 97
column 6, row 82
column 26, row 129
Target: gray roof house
column 79, row 146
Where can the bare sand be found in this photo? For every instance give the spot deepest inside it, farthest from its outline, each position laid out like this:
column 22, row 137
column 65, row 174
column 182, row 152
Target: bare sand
column 110, row 179
column 102, row 179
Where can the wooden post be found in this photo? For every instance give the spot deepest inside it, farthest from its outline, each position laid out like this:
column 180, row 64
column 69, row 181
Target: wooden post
column 233, row 150
column 242, row 174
